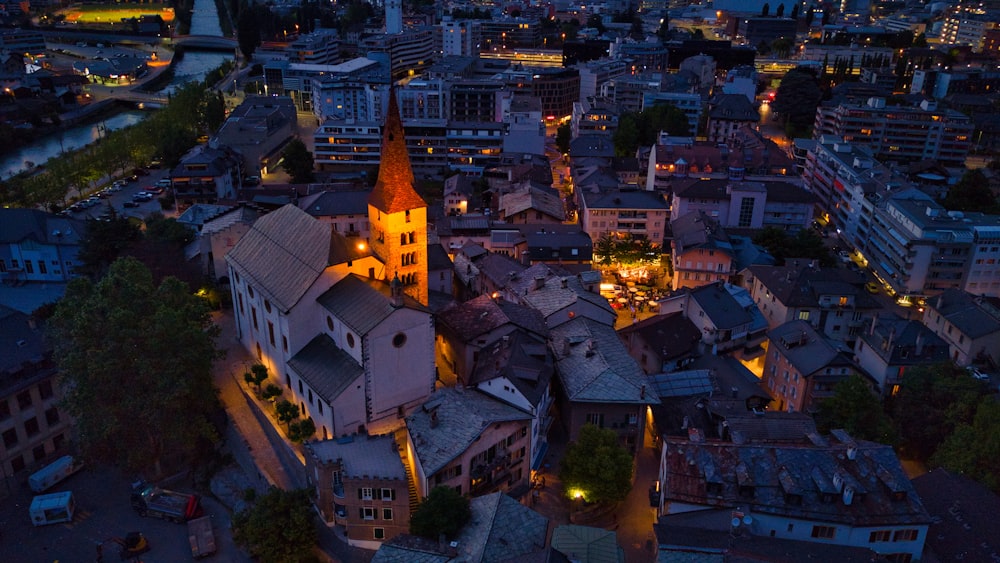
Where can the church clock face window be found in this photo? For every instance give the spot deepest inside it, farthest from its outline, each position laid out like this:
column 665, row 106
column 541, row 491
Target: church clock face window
column 350, row 340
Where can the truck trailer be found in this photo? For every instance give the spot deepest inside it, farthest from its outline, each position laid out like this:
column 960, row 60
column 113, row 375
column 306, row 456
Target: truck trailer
column 150, row 500
column 53, row 473
column 52, row 508
column 201, row 537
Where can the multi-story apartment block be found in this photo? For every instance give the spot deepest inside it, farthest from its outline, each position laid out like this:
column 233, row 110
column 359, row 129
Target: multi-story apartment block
column 802, row 368
column 970, row 324
column 474, row 99
column 285, row 78
column 822, row 489
column 899, row 133
column 347, row 143
column 741, row 80
column 921, row 249
column 701, row 251
column 355, row 90
column 460, row 38
column 36, row 246
column 890, row 346
column 642, row 56
column 525, row 128
column 207, row 173
column 557, row 88
column 508, row 33
column 629, row 91
column 941, row 83
column 691, row 103
column 33, row 427
column 832, row 301
column 965, row 27
column 639, row 214
column 744, row 204
column 257, row 129
column 595, row 74
column 407, row 52
column 727, row 114
column 361, row 486
column 594, row 115
column 321, row 47
column 673, row 161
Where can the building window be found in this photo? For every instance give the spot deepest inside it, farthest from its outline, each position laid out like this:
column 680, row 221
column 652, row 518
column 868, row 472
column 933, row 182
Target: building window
column 399, row 340
column 284, row 343
column 365, row 493
column 45, row 390
column 52, row 416
column 41, row 267
column 380, row 533
column 746, row 212
column 329, row 323
column 253, row 313
column 879, row 535
column 17, row 463
column 904, row 535
column 270, row 332
column 31, row 426
column 387, row 514
column 388, row 494
column 803, row 315
column 250, row 291
column 597, row 419
column 4, row 409
column 823, row 532
column 38, row 452
column 29, row 267
column 24, row 400
column 10, row 438
column 367, row 513
column 350, row 340
column 267, row 305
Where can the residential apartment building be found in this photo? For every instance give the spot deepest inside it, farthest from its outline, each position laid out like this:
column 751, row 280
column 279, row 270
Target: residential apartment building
column 36, row 246
column 460, row 38
column 746, row 156
column 33, row 427
column 899, row 133
column 724, row 314
column 595, row 74
column 297, row 80
column 802, row 367
column 407, row 53
column 744, row 204
column 321, row 47
column 361, row 486
column 257, row 129
column 635, row 213
column 467, row 440
column 357, row 89
column 557, row 88
column 965, row 27
column 594, row 116
column 822, row 489
column 970, row 324
column 206, row 174
column 701, row 251
column 508, row 33
column 831, row 300
column 727, row 114
column 890, row 346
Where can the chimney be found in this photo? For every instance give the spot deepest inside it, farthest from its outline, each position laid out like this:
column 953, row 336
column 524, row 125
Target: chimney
column 920, row 343
column 642, row 391
column 434, row 418
column 539, row 282
column 396, row 290
column 565, row 283
column 871, row 331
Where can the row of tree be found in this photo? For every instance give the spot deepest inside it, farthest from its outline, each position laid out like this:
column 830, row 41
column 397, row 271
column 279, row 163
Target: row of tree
column 166, row 134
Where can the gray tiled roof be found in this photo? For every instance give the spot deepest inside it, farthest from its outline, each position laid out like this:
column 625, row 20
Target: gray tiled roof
column 720, row 306
column 626, row 199
column 501, row 529
column 20, row 224
column 425, row 552
column 552, row 296
column 716, row 189
column 200, row 213
column 674, row 335
column 376, row 457
column 19, row 342
column 482, row 314
column 594, row 366
column 733, row 107
column 462, row 415
column 333, row 203
column 437, row 258
column 362, row 303
column 586, row 544
column 966, row 312
column 282, row 254
column 522, row 359
column 965, row 516
column 239, row 214
column 327, row 369
column 774, row 469
column 895, row 341
column 802, row 346
column 545, row 201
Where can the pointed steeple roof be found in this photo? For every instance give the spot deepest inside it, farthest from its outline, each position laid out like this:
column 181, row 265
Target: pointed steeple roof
column 394, row 190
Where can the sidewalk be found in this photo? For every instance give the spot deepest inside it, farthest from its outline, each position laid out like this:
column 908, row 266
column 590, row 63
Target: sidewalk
column 259, row 448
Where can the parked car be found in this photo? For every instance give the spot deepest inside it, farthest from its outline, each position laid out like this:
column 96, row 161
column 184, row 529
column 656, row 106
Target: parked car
column 130, row 204
column 872, row 287
column 155, row 190
column 974, row 372
column 844, row 256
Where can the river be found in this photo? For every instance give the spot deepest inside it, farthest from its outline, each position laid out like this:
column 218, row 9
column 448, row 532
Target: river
column 193, row 66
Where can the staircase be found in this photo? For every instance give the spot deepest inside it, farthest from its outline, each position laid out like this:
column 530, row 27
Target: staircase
column 411, row 486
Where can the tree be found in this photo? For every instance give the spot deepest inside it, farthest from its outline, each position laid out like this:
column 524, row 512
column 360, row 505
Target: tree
column 104, row 242
column 796, row 100
column 805, row 244
column 856, row 409
column 782, row 46
column 298, row 161
column 214, row 110
column 780, row 12
column 272, row 391
column 256, row 375
column 278, row 527
column 933, row 400
column 286, row 411
column 972, row 193
column 444, row 511
column 595, row 21
column 974, row 449
column 765, row 10
column 135, row 361
column 795, row 11
column 564, row 135
column 248, row 33
column 664, row 31
column 920, row 40
column 596, row 467
column 301, row 430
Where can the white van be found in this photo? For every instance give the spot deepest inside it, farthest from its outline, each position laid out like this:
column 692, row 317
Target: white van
column 52, row 509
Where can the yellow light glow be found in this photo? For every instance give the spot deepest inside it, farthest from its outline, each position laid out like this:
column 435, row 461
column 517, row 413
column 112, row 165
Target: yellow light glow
column 361, row 246
column 576, row 493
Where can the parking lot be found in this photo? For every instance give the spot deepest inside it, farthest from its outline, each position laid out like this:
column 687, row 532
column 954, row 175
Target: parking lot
column 103, row 513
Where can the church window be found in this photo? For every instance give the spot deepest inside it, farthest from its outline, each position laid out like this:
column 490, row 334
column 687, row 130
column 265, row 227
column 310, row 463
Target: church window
column 412, row 237
column 402, row 238
column 399, row 340
column 350, row 340
column 407, row 215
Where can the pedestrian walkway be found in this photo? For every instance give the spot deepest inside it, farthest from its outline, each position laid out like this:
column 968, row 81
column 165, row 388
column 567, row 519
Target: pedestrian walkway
column 256, row 443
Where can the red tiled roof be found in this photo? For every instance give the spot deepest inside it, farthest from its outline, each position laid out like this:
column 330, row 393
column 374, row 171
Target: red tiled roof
column 394, row 190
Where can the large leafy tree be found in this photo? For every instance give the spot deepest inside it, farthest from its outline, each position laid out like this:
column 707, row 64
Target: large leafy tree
column 248, row 33
column 643, row 128
column 278, row 528
column 934, row 400
column 564, row 135
column 856, row 409
column 104, row 242
column 135, row 362
column 805, row 244
column 444, row 511
column 796, row 100
column 298, row 162
column 972, row 193
column 974, row 449
column 596, row 466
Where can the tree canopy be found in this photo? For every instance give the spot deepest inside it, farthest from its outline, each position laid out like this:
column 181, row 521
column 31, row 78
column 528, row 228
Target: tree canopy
column 805, row 244
column 444, row 511
column 564, row 135
column 298, row 162
column 278, row 528
column 972, row 193
column 934, row 400
column 642, row 128
column 596, row 466
column 796, row 100
column 856, row 409
column 974, row 449
column 135, row 362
